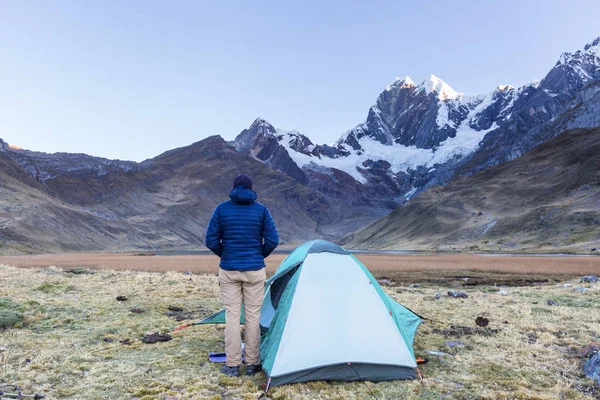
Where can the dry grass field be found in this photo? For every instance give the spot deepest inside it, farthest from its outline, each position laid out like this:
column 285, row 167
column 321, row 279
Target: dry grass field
column 377, row 263
column 529, row 350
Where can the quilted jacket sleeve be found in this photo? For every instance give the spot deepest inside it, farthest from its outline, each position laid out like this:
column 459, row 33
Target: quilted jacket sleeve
column 270, row 235
column 214, row 234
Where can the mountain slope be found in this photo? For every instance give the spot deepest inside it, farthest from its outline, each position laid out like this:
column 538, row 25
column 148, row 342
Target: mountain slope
column 162, row 203
column 548, row 199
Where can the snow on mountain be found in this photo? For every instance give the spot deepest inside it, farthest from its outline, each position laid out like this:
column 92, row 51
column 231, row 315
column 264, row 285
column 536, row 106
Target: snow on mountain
column 441, row 88
column 375, row 139
column 415, row 135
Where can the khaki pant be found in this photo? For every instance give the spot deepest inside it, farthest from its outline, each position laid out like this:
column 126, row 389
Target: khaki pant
column 237, row 286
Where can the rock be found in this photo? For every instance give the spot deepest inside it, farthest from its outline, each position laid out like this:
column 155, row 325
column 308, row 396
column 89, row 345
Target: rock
column 567, row 285
column 591, row 368
column 387, row 281
column 589, row 350
column 589, row 279
column 175, row 309
column 457, row 295
column 453, row 343
column 594, row 249
column 121, row 298
column 154, row 337
column 79, row 271
column 532, row 338
column 581, row 289
column 437, row 353
column 108, row 340
column 414, row 285
column 502, row 292
column 437, row 296
column 136, row 310
column 187, row 273
column 125, row 342
column 481, row 321
column 552, row 303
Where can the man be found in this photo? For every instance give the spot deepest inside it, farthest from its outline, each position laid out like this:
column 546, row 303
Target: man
column 242, row 233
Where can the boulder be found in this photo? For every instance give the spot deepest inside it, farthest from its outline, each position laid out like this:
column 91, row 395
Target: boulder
column 591, row 368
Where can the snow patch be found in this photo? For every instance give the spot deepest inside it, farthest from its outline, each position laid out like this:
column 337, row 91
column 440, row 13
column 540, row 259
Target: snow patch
column 442, row 118
column 502, row 88
column 409, row 195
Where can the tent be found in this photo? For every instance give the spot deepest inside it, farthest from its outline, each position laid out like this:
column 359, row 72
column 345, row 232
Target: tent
column 324, row 317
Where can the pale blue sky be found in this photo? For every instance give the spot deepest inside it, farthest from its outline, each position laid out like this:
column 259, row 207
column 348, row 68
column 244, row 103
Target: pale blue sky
column 131, row 79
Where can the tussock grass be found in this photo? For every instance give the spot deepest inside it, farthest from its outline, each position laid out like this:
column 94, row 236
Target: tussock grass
column 426, row 262
column 527, row 352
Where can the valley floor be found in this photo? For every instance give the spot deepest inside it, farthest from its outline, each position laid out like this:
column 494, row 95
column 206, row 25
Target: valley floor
column 529, row 350
column 377, row 263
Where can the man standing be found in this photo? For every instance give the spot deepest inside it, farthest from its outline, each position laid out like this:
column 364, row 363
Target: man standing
column 242, row 233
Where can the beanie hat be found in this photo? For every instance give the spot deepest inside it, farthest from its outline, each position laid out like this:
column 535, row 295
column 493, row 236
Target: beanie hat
column 243, row 179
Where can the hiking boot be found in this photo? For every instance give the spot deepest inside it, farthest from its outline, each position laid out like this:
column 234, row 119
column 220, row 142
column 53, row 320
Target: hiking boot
column 230, row 371
column 253, row 369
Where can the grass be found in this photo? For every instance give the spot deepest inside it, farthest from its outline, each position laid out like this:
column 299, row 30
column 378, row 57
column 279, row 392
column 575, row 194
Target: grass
column 378, row 263
column 529, row 350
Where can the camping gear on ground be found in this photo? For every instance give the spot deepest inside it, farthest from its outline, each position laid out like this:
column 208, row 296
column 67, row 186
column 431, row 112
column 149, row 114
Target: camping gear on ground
column 12, row 392
column 325, row 317
column 220, row 357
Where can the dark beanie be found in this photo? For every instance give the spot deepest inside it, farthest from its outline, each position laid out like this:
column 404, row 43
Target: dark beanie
column 243, row 179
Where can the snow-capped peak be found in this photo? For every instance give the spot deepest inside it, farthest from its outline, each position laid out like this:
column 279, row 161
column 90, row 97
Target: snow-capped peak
column 401, row 82
column 435, row 84
column 502, row 88
column 406, row 82
column 260, row 122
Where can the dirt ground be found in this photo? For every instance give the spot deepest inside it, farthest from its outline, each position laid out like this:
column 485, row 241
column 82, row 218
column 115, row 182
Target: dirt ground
column 380, row 264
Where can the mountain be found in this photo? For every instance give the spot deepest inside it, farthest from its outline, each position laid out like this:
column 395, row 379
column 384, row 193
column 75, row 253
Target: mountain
column 417, row 135
column 546, row 200
column 66, row 202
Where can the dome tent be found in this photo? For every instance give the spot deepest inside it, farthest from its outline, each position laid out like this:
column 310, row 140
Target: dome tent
column 324, row 317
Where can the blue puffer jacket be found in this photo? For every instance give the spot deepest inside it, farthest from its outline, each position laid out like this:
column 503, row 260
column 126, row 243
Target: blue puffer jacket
column 242, row 232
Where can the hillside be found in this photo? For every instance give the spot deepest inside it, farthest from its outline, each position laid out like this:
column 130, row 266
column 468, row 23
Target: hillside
column 164, row 203
column 546, row 200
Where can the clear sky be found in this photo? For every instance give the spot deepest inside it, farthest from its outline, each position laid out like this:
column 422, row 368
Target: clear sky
column 131, row 79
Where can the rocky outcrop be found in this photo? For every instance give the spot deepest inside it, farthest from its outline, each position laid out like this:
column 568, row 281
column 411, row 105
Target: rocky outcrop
column 44, row 166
